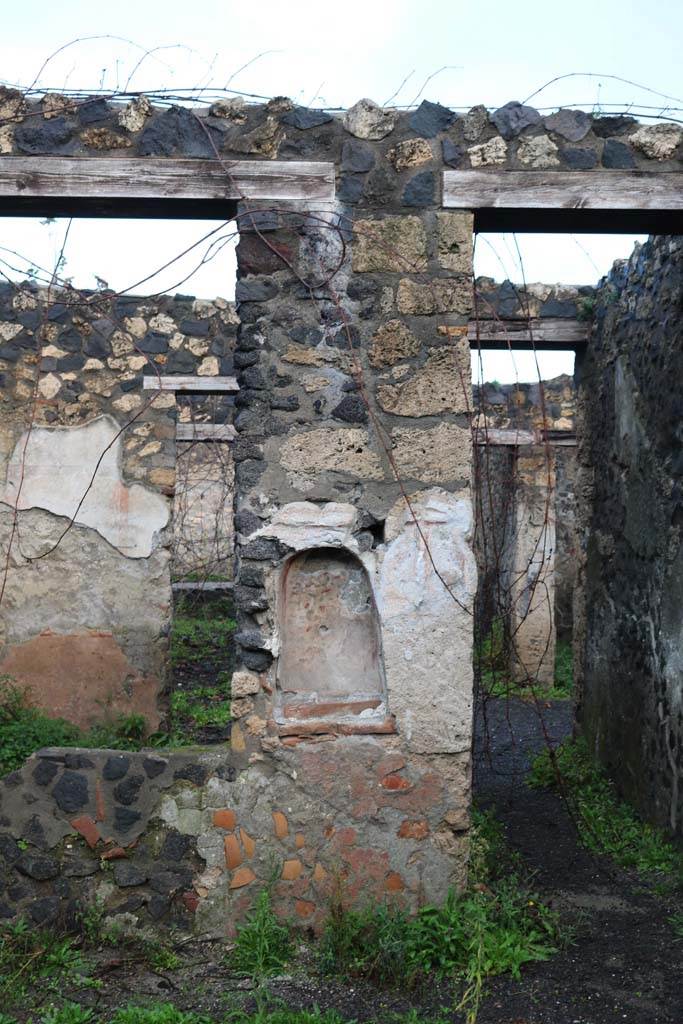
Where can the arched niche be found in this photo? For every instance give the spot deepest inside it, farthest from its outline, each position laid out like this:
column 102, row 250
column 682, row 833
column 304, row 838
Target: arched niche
column 330, row 660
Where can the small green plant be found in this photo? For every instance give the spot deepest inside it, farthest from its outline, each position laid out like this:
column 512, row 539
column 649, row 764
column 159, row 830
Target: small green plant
column 585, row 308
column 606, row 824
column 158, row 1013
column 35, row 964
column 285, row 1016
column 492, row 657
column 676, row 922
column 263, row 945
column 196, row 636
column 68, row 1013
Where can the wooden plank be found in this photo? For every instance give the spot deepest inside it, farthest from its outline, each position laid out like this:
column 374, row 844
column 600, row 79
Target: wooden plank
column 563, row 190
column 159, row 178
column 552, row 332
column 205, row 432
column 202, row 585
column 496, row 436
column 184, row 383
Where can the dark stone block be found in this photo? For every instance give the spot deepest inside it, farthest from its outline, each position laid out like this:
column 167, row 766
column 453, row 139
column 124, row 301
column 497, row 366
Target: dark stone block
column 604, row 127
column 80, row 868
column 181, row 361
column 124, row 819
column 34, row 833
column 572, row 125
column 44, row 910
column 258, row 220
column 351, row 409
column 128, row 791
column 178, row 132
column 10, row 353
column 154, row 767
column 48, row 365
column 131, row 385
column 170, row 882
column 35, row 137
column 158, row 907
column 420, row 189
column 250, row 599
column 304, row 118
column 251, row 575
column 70, row 340
column 192, row 772
column 246, row 522
column 430, row 118
column 558, row 307
column 44, row 772
column 350, row 188
column 153, row 342
column 71, row 791
column 357, row 157
column 115, row 767
column 30, row 319
column 9, row 850
column 127, row 874
column 259, row 289
column 58, row 313
column 93, row 111
column 453, row 154
column 196, row 328
column 513, row 118
column 252, row 378
column 257, row 661
column 74, row 361
column 6, row 912
column 175, row 847
column 617, row 156
column 13, row 780
column 227, row 772
column 380, row 186
column 244, row 359
column 250, row 639
column 132, row 904
column 97, row 345
column 248, row 473
column 264, row 549
column 78, row 761
column 285, row 403
column 246, row 448
column 37, row 866
column 579, row 159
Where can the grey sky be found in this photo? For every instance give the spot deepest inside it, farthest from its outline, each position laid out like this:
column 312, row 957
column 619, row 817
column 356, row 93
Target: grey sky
column 322, row 53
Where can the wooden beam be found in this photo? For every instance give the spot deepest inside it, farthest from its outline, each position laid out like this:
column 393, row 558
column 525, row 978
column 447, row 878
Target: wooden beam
column 203, row 585
column 496, row 436
column 205, row 432
column 619, row 201
column 564, row 190
column 182, row 383
column 561, row 334
column 126, row 178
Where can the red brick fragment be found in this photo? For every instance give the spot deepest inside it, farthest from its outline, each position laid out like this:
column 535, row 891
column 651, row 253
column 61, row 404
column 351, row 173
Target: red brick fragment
column 224, row 819
column 395, row 782
column 394, row 882
column 291, row 869
column 233, row 852
column 304, row 908
column 413, row 829
column 86, row 827
column 280, row 824
column 191, row 901
column 243, row 876
column 115, row 853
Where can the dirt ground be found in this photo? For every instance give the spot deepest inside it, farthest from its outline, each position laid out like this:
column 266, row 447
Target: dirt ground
column 624, row 964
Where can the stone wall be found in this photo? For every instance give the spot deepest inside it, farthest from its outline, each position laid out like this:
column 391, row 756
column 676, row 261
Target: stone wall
column 352, row 476
column 629, row 641
column 86, row 607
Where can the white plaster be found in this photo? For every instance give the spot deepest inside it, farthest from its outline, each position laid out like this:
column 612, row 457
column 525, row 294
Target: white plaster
column 425, row 606
column 303, row 524
column 58, row 466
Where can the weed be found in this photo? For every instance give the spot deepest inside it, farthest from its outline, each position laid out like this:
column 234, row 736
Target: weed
column 263, row 944
column 492, row 662
column 606, row 824
column 286, row 1016
column 157, row 1013
column 68, row 1013
column 676, row 922
column 194, row 637
column 36, row 964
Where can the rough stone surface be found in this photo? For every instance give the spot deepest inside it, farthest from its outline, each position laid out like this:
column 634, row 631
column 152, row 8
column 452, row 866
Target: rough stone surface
column 572, row 125
column 438, row 455
column 366, row 120
column 441, row 385
column 396, row 244
column 658, row 141
column 486, row 153
column 538, row 151
column 513, row 118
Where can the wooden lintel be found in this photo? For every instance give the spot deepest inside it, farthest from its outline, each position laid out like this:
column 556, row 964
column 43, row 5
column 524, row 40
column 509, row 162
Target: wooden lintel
column 135, row 178
column 496, row 436
column 205, row 432
column 184, row 383
column 212, row 585
column 558, row 333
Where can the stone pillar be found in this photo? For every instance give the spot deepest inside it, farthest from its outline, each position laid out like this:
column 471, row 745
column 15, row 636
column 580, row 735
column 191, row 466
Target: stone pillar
column 532, row 569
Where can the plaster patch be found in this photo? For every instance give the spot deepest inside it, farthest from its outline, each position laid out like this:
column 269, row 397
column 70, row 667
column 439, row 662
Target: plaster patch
column 58, row 467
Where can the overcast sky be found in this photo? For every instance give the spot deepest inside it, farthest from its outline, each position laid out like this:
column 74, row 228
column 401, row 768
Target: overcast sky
column 331, row 54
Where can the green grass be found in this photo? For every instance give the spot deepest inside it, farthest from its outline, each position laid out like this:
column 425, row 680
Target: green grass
column 492, row 657
column 200, row 629
column 495, row 927
column 606, row 824
column 35, row 965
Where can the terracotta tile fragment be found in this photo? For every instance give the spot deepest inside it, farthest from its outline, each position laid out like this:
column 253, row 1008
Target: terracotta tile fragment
column 243, row 876
column 237, row 739
column 115, row 853
column 248, row 843
column 413, row 829
column 395, row 782
column 191, row 901
column 100, row 809
column 319, row 874
column 394, row 882
column 304, row 908
column 224, row 819
column 280, row 824
column 291, row 869
column 300, row 840
column 86, row 827
column 233, row 852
